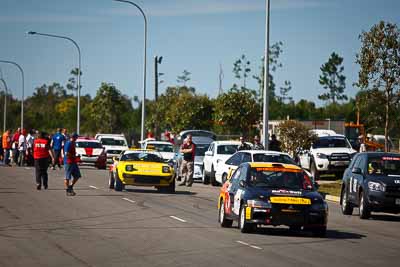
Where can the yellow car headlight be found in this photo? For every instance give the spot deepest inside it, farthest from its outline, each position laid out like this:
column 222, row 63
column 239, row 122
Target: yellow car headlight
column 166, row 169
column 129, row 168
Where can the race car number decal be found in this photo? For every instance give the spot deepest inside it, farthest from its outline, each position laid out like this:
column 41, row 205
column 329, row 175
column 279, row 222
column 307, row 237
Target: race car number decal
column 236, row 201
column 290, row 200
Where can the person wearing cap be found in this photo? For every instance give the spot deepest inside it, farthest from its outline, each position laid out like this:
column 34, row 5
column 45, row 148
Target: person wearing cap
column 41, row 153
column 72, row 171
column 257, row 145
column 243, row 145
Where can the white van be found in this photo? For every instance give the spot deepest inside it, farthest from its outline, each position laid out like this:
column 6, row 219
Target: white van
column 113, row 143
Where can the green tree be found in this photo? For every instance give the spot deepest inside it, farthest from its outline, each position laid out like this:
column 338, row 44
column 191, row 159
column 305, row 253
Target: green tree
column 332, row 79
column 237, row 111
column 72, row 84
column 184, row 78
column 241, row 69
column 284, row 92
column 379, row 60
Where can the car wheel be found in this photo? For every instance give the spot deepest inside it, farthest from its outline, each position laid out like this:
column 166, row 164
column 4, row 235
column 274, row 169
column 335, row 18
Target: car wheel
column 224, row 178
column 319, row 231
column 244, row 226
column 212, row 177
column 111, row 181
column 365, row 211
column 314, row 171
column 171, row 187
column 346, row 207
column 223, row 221
column 295, row 228
column 205, row 178
column 119, row 186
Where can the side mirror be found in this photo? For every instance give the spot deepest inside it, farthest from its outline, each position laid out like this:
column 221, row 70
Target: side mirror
column 356, row 170
column 242, row 183
column 208, row 153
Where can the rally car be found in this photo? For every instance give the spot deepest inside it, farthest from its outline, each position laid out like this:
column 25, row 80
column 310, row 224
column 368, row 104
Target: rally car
column 140, row 167
column 272, row 194
column 89, row 151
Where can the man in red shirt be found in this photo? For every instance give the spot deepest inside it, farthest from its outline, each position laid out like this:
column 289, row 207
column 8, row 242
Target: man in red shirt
column 41, row 154
column 15, row 140
column 188, row 150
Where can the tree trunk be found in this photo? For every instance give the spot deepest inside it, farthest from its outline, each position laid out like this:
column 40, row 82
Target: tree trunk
column 387, row 120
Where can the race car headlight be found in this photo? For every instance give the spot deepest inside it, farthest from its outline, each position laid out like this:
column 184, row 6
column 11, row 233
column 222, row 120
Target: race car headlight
column 166, row 169
column 129, row 168
column 320, row 206
column 322, row 156
column 374, row 186
column 258, row 204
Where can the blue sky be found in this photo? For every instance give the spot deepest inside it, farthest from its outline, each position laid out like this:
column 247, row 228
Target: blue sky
column 196, row 35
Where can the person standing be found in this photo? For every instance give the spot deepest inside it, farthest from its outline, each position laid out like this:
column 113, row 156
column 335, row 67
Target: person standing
column 41, row 153
column 15, row 150
column 29, row 147
column 72, row 171
column 274, row 144
column 188, row 149
column 257, row 145
column 57, row 144
column 243, row 145
column 6, row 142
column 22, row 148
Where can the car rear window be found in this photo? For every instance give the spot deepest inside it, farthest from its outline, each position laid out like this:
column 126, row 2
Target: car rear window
column 84, row 144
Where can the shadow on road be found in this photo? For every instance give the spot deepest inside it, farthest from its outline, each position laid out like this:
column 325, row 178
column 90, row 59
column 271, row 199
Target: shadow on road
column 385, row 217
column 330, row 233
column 139, row 190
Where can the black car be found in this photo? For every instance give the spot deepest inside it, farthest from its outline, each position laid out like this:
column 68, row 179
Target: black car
column 272, row 194
column 372, row 183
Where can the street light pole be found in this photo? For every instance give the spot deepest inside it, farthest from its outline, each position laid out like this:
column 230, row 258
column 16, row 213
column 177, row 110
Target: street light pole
column 5, row 104
column 78, row 121
column 144, row 64
column 266, row 78
column 23, row 88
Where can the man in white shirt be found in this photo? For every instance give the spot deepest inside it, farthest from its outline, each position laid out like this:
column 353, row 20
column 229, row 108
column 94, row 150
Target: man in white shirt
column 29, row 147
column 22, row 147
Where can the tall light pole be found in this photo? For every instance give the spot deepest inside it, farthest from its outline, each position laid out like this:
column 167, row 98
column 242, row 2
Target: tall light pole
column 5, row 103
column 144, row 64
column 23, row 88
column 266, row 78
column 78, row 115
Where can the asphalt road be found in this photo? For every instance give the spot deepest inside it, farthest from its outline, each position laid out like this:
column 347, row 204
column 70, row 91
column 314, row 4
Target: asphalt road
column 140, row 227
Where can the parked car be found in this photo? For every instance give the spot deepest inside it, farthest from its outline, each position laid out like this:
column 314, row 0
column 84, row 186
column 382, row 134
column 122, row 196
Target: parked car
column 226, row 168
column 272, row 194
column 91, row 152
column 114, row 144
column 371, row 183
column 217, row 153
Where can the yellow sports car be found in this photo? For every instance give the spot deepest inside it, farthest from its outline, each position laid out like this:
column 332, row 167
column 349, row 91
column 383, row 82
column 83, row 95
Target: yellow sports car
column 142, row 168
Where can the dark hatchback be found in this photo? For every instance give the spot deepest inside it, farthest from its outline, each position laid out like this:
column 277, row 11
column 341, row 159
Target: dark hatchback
column 272, row 194
column 372, row 183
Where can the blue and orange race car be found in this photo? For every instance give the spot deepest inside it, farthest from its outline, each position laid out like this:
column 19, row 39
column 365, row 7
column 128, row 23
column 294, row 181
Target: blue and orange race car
column 272, row 194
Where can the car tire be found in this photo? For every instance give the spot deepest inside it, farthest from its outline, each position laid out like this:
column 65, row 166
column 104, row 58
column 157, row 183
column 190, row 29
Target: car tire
column 205, row 179
column 212, row 177
column 171, row 188
column 314, row 171
column 295, row 228
column 224, row 177
column 244, row 226
column 319, row 231
column 345, row 205
column 223, row 221
column 118, row 186
column 111, row 181
column 365, row 211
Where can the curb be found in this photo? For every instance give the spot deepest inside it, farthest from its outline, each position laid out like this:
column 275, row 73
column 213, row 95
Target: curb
column 332, row 198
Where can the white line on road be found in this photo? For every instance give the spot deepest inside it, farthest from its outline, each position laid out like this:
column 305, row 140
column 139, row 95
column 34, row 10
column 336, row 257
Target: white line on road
column 176, row 218
column 92, row 186
column 246, row 244
column 127, row 199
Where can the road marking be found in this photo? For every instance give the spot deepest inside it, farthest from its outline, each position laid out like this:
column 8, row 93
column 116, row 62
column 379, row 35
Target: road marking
column 178, row 219
column 247, row 244
column 127, row 199
column 92, row 186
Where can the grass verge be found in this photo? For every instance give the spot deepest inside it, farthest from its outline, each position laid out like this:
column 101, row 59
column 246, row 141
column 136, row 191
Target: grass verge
column 330, row 188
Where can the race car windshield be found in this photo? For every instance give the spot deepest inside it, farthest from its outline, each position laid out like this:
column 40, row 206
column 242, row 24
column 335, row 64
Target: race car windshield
column 280, row 179
column 326, row 142
column 227, row 149
column 113, row 142
column 88, row 144
column 162, row 147
column 379, row 166
column 146, row 157
column 273, row 158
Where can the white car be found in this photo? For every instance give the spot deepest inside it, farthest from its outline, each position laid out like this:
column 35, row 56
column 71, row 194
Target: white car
column 91, row 152
column 330, row 153
column 217, row 153
column 114, row 144
column 226, row 168
column 165, row 148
